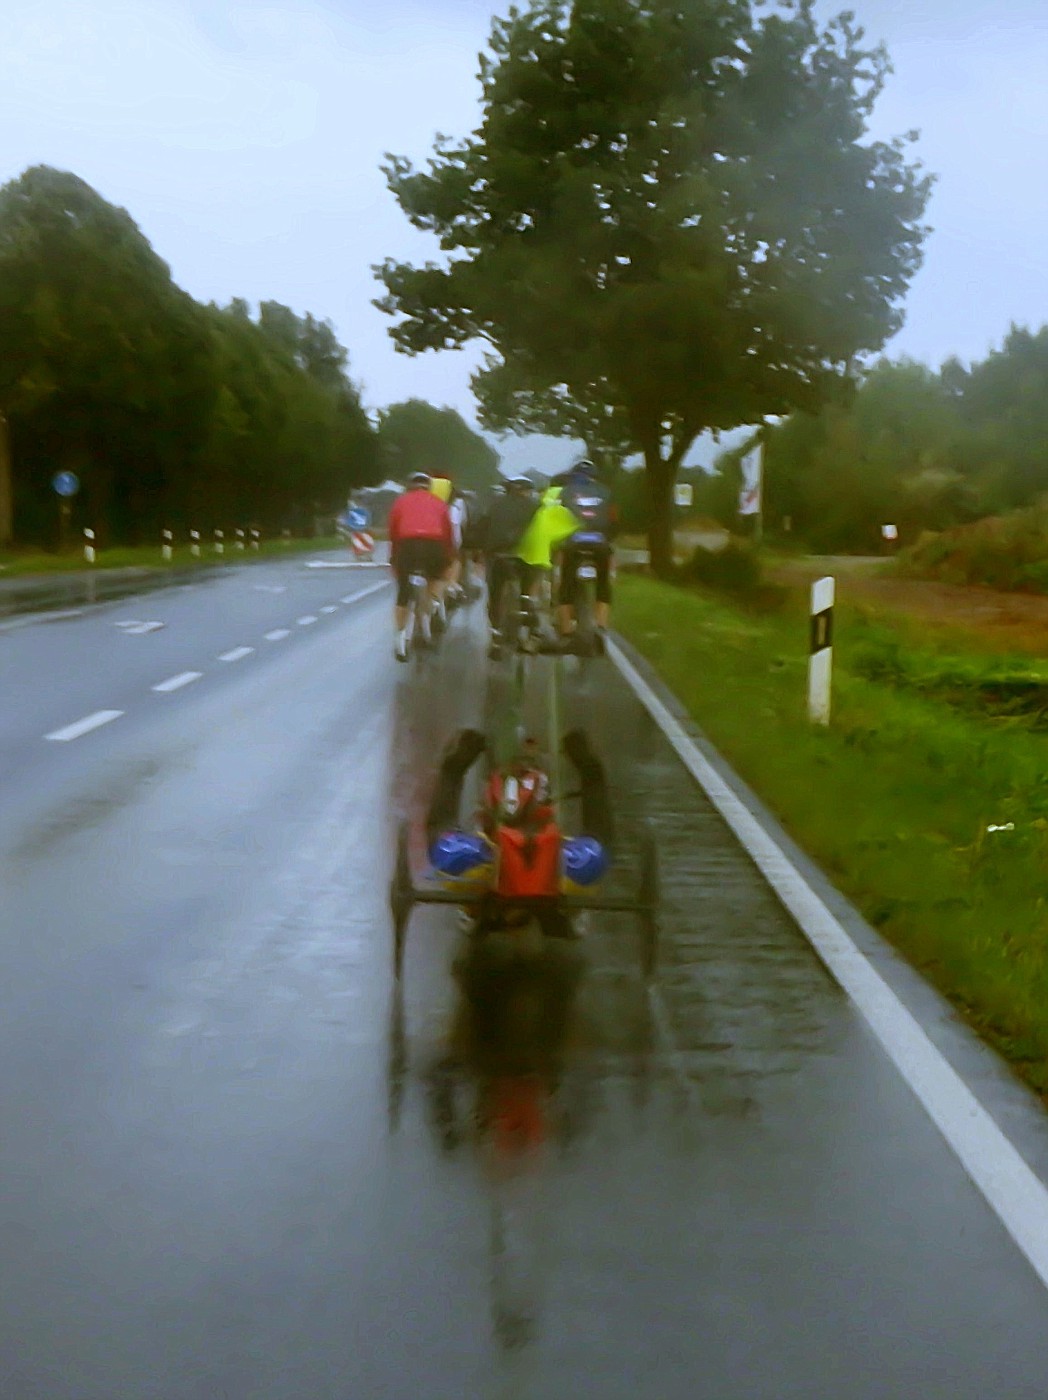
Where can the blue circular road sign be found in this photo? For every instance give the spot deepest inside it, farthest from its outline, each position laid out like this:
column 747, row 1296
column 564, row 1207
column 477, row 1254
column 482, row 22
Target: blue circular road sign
column 359, row 518
column 66, row 483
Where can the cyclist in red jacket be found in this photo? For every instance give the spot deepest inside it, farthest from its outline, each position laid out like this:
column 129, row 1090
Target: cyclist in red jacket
column 421, row 541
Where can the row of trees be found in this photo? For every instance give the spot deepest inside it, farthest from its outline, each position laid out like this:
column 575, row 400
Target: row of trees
column 171, row 413
column 920, row 448
column 670, row 218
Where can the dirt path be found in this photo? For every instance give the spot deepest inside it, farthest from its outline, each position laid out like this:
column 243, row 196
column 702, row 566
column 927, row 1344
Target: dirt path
column 1007, row 622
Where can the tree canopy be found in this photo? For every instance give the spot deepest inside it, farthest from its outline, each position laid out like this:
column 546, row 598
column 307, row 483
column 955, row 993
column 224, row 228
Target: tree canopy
column 414, row 436
column 173, row 414
column 915, row 447
column 670, row 218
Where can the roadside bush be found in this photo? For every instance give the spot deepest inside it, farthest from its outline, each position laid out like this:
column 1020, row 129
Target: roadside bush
column 735, row 569
column 1008, row 552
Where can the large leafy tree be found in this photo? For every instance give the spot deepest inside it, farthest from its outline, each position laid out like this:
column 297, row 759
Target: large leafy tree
column 104, row 362
column 416, row 436
column 173, row 414
column 671, row 218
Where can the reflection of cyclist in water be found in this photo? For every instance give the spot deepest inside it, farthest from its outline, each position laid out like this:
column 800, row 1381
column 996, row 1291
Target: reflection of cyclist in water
column 515, row 847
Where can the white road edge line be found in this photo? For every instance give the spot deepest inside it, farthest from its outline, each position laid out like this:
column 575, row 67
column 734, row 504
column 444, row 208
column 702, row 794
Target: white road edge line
column 84, row 726
column 236, row 654
column 277, row 635
column 177, row 682
column 1013, row 1191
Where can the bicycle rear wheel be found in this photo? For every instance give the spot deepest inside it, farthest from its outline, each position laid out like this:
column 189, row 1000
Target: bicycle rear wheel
column 508, row 612
column 585, row 627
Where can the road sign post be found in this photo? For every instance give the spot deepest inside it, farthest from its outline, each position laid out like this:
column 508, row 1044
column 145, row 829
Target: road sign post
column 65, row 486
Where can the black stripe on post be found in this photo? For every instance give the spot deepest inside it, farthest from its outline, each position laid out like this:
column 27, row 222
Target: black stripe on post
column 821, row 630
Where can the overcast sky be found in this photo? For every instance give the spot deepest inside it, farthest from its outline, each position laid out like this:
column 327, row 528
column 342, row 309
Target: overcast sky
column 244, row 137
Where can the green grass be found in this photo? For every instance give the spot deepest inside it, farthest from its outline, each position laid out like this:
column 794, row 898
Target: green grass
column 895, row 799
column 15, row 564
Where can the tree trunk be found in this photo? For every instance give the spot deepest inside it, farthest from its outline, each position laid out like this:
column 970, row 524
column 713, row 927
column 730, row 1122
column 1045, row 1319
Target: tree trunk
column 660, row 474
column 7, row 503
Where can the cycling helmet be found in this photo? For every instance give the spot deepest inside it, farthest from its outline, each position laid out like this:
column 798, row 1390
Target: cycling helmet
column 521, row 484
column 419, row 479
column 584, row 467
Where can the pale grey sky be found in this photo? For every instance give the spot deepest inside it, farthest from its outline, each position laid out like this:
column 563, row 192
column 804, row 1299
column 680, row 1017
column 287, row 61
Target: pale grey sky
column 244, row 137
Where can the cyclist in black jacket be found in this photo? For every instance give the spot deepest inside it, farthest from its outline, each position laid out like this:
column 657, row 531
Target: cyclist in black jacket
column 590, row 501
column 499, row 532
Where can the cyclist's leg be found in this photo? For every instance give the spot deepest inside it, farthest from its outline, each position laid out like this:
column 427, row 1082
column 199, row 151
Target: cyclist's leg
column 406, row 565
column 458, row 758
column 597, row 819
column 602, row 607
column 497, row 566
column 567, row 591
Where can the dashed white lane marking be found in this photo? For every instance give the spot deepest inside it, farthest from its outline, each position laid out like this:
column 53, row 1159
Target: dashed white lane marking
column 306, row 621
column 177, row 682
column 367, row 592
column 330, row 608
column 278, row 634
column 236, row 654
column 270, row 588
column 139, row 629
column 84, row 726
column 1012, row 1190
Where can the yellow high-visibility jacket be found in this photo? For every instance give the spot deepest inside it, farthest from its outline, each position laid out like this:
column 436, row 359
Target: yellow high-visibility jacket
column 550, row 526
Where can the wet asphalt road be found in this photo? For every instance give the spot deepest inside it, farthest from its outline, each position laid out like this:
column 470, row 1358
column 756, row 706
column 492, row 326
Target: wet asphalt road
column 234, row 1164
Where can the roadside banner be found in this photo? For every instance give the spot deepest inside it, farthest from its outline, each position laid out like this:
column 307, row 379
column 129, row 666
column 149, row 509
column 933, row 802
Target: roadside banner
column 750, row 486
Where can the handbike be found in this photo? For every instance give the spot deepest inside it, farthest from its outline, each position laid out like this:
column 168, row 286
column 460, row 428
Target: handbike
column 520, row 914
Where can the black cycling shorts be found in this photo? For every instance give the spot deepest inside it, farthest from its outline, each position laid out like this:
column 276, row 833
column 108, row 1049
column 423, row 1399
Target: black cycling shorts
column 575, row 554
column 425, row 557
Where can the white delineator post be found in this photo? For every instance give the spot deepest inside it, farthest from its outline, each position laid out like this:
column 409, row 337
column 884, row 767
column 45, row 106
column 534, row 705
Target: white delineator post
column 165, row 548
column 254, row 539
column 240, row 539
column 89, row 546
column 219, row 546
column 820, row 660
column 194, row 543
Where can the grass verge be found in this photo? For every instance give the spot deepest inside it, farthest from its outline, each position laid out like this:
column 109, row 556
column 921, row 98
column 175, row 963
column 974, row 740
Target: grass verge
column 15, row 564
column 896, row 800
